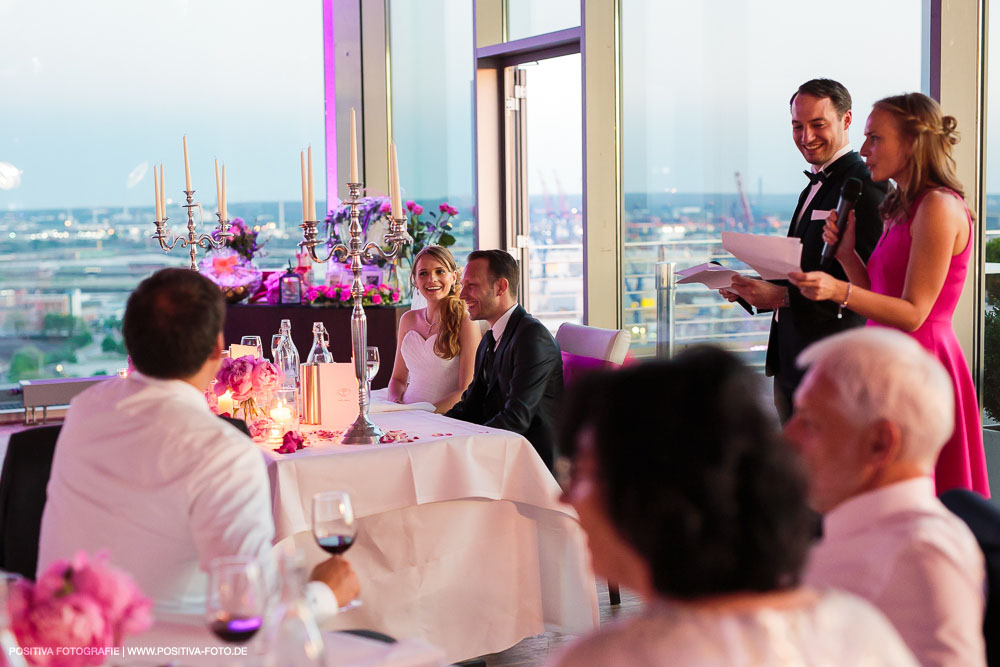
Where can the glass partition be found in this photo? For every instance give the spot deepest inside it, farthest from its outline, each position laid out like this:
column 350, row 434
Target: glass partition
column 431, row 49
column 707, row 143
column 107, row 94
column 526, row 18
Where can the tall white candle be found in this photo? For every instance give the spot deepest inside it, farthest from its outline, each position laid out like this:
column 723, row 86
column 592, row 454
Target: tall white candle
column 218, row 189
column 156, row 194
column 354, row 148
column 312, row 193
column 163, row 195
column 394, row 193
column 225, row 206
column 187, row 166
column 305, row 192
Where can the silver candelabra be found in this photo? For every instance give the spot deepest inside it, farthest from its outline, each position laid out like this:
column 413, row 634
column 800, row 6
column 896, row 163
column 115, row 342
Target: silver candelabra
column 363, row 431
column 193, row 240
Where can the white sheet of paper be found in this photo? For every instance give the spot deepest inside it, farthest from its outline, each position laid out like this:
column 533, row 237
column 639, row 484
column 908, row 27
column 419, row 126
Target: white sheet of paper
column 712, row 276
column 772, row 257
column 237, row 351
column 338, row 395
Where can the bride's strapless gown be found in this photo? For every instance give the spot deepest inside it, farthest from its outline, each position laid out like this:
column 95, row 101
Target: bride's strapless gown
column 431, row 377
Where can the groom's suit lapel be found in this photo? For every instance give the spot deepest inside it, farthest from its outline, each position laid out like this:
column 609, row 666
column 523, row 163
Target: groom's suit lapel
column 508, row 335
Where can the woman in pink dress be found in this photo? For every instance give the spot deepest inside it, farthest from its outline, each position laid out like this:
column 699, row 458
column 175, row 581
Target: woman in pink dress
column 915, row 276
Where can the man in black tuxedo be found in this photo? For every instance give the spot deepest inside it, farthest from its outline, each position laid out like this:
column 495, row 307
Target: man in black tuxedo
column 518, row 366
column 821, row 118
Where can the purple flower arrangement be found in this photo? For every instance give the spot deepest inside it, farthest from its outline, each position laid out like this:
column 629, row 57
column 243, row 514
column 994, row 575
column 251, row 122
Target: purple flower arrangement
column 77, row 612
column 243, row 239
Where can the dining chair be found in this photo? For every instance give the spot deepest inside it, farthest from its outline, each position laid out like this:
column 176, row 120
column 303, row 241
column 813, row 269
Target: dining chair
column 25, row 475
column 983, row 519
column 587, row 348
column 610, row 345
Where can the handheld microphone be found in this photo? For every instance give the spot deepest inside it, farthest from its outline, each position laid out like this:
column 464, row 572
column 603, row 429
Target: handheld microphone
column 849, row 195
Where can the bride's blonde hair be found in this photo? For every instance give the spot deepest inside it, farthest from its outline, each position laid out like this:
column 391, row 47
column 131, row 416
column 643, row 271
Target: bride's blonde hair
column 453, row 311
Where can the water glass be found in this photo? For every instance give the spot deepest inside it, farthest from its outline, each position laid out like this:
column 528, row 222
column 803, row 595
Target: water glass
column 371, row 362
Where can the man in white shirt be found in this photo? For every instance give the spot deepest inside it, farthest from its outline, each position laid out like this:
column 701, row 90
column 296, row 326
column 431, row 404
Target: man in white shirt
column 871, row 416
column 143, row 469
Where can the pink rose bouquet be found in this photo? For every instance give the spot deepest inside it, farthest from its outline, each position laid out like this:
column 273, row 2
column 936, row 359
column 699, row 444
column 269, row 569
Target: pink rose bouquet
column 340, row 295
column 244, row 378
column 77, row 612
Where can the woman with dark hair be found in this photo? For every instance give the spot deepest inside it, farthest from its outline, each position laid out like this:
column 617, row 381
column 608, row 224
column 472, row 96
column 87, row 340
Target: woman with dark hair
column 436, row 345
column 689, row 497
column 914, row 278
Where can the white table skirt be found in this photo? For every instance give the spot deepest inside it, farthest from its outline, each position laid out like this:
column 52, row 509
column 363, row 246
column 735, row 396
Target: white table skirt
column 462, row 542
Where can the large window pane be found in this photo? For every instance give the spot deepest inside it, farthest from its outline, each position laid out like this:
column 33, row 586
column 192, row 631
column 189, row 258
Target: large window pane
column 991, row 221
column 706, row 123
column 526, row 18
column 87, row 112
column 432, row 107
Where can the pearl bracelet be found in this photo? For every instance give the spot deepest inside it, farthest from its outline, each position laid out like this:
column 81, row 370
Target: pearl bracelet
column 847, row 297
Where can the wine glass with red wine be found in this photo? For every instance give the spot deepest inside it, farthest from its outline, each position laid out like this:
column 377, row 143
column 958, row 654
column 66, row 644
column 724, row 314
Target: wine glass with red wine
column 334, row 526
column 236, row 601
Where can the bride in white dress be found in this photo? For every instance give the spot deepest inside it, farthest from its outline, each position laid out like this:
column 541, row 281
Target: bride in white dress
column 436, row 345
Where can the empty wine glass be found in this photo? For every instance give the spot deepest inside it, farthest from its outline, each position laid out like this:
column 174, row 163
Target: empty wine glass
column 334, row 526
column 371, row 362
column 254, row 341
column 277, row 342
column 236, row 600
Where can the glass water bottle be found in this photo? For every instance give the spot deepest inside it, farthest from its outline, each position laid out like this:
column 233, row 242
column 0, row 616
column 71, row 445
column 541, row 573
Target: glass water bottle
column 320, row 351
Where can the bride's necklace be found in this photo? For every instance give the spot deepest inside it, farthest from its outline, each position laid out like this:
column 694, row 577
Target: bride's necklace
column 430, row 325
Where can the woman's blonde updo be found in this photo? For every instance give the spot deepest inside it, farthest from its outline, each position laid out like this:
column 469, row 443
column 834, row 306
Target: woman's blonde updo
column 930, row 163
column 453, row 311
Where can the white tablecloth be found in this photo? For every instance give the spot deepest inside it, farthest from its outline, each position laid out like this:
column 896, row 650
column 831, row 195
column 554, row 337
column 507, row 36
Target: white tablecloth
column 185, row 642
column 462, row 542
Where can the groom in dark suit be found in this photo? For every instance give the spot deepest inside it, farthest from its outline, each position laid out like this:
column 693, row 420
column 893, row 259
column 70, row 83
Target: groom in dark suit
column 821, row 118
column 518, row 366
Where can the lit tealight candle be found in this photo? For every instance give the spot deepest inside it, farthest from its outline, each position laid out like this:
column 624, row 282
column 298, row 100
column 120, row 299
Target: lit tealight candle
column 226, row 403
column 281, row 414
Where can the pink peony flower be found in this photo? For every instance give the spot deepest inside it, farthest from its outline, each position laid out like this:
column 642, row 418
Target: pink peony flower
column 345, row 295
column 241, row 378
column 77, row 604
column 452, row 211
column 222, row 377
column 376, row 299
column 410, row 205
column 444, row 207
column 264, row 376
column 385, row 208
column 418, row 209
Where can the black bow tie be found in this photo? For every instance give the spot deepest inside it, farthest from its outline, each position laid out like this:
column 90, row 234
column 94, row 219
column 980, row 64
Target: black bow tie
column 814, row 178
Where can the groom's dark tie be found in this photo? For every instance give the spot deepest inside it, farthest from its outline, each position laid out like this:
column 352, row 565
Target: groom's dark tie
column 489, row 355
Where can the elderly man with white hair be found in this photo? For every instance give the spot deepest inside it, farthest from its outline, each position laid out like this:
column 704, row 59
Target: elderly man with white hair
column 871, row 416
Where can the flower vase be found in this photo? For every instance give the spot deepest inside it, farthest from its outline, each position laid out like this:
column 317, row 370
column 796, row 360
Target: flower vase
column 399, row 278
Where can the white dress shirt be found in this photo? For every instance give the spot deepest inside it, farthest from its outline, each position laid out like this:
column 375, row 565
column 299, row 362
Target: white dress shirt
column 901, row 549
column 832, row 629
column 500, row 325
column 144, row 470
column 818, row 184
